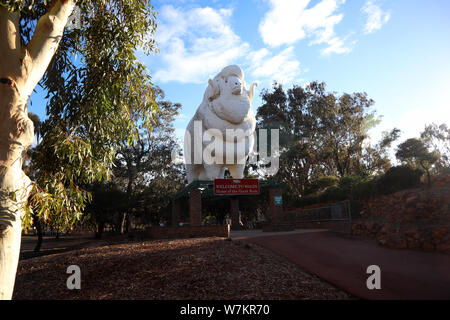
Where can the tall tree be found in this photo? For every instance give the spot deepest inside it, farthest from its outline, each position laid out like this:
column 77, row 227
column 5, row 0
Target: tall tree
column 86, row 72
column 376, row 159
column 437, row 139
column 415, row 153
column 108, row 202
column 321, row 133
column 139, row 164
column 28, row 168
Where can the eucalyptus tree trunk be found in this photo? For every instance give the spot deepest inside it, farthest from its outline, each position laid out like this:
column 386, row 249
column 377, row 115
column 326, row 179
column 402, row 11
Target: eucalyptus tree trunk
column 21, row 68
column 38, row 225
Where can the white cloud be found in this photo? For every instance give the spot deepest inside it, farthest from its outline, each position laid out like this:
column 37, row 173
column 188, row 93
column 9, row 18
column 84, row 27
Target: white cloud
column 337, row 45
column 376, row 17
column 282, row 67
column 289, row 21
column 195, row 44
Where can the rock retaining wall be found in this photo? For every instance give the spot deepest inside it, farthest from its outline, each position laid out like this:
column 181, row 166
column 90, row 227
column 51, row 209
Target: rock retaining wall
column 413, row 219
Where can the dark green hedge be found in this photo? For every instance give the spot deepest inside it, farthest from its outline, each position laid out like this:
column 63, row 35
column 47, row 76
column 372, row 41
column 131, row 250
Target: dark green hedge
column 362, row 186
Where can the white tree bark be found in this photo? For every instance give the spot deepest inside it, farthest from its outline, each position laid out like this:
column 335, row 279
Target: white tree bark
column 21, row 68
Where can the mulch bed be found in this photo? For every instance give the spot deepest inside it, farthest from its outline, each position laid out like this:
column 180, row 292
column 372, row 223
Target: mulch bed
column 198, row 268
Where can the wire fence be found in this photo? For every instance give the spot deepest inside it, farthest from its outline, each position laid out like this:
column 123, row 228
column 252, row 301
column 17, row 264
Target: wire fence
column 339, row 211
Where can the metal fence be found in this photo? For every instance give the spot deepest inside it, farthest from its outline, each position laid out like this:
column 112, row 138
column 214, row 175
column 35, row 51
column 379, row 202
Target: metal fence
column 339, row 211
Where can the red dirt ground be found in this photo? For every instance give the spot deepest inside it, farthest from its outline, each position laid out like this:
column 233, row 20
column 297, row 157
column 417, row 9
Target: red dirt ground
column 343, row 260
column 207, row 268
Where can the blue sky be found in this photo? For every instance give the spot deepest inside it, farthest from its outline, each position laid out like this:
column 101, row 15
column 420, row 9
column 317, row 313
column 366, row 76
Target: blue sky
column 398, row 52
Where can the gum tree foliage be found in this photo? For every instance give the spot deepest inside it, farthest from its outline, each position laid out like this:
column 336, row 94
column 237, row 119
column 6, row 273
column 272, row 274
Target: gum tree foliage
column 415, row 153
column 38, row 223
column 97, row 92
column 437, row 139
column 143, row 169
column 321, row 133
column 144, row 177
column 106, row 206
column 376, row 159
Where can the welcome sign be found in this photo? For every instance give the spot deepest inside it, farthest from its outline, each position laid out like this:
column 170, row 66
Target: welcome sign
column 236, row 186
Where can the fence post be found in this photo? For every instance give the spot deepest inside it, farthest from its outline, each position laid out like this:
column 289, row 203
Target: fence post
column 276, row 209
column 349, row 212
column 235, row 214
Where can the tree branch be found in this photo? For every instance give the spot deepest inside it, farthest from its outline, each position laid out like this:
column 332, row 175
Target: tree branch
column 47, row 35
column 10, row 44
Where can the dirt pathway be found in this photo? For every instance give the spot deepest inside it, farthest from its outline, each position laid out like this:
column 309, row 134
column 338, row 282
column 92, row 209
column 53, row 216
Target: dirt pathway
column 343, row 260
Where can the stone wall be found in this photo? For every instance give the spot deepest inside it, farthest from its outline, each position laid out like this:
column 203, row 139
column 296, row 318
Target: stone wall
column 414, row 219
column 411, row 205
column 406, row 236
column 171, row 232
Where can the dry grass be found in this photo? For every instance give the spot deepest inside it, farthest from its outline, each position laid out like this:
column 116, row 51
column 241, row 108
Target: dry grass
column 207, row 268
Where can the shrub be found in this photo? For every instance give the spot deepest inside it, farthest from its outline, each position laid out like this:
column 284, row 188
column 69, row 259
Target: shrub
column 210, row 220
column 357, row 186
column 362, row 186
column 306, row 200
column 333, row 193
column 399, row 178
column 321, row 183
column 444, row 170
column 365, row 189
column 355, row 209
column 348, row 183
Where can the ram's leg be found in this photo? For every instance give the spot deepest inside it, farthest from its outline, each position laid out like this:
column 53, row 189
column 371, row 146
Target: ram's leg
column 212, row 171
column 222, row 173
column 190, row 175
column 237, row 170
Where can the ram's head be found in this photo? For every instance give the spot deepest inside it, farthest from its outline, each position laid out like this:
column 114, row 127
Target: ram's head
column 228, row 96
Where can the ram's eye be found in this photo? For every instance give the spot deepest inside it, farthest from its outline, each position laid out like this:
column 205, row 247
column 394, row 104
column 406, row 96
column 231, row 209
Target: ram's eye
column 226, row 81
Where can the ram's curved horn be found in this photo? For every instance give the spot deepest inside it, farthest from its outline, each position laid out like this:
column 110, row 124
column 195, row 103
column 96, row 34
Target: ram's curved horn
column 251, row 89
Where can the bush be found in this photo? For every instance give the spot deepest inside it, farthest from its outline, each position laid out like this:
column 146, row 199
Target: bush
column 444, row 170
column 210, row 220
column 306, row 200
column 334, row 193
column 355, row 209
column 346, row 188
column 399, row 178
column 365, row 189
column 357, row 187
column 348, row 183
column 321, row 183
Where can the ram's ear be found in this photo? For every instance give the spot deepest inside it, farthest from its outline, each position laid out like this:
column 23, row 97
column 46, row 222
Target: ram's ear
column 213, row 91
column 251, row 90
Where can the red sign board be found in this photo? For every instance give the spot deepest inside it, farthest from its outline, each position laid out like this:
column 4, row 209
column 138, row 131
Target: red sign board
column 236, row 186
